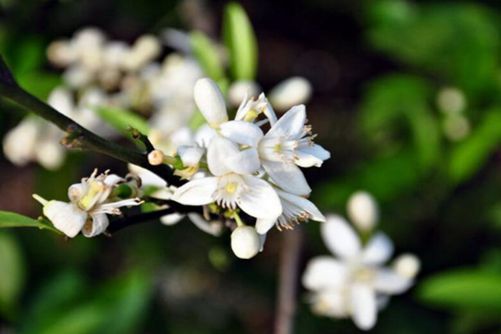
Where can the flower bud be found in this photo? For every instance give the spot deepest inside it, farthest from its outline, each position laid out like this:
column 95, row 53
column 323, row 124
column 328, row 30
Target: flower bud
column 362, row 210
column 145, row 49
column 61, row 53
column 291, row 92
column 456, row 127
column 245, row 242
column 210, row 101
column 155, row 157
column 451, row 100
column 240, row 90
column 407, row 265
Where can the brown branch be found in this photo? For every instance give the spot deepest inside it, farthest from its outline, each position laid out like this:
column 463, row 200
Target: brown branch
column 288, row 278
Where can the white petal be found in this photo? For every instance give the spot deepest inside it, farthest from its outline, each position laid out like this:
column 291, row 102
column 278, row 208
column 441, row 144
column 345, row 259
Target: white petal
column 96, row 226
column 290, row 92
column 196, row 192
column 217, row 154
column 407, row 265
column 76, row 191
column 148, row 178
column 262, row 241
column 260, row 200
column 364, row 306
column 340, row 238
column 60, row 99
column 66, row 217
column 311, row 155
column 204, row 135
column 325, row 272
column 264, row 225
column 389, row 282
column 210, row 102
column 20, row 142
column 287, row 176
column 378, row 250
column 190, row 155
column 301, row 204
column 245, row 242
column 214, row 228
column 291, row 124
column 244, row 162
column 242, row 132
column 49, row 153
column 112, row 179
column 171, row 219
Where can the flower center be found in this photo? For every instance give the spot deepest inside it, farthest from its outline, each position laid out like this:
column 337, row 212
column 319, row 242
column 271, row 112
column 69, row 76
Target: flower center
column 231, row 187
column 91, row 196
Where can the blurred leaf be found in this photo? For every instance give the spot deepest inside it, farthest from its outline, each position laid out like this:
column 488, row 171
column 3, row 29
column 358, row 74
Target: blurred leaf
column 30, row 54
column 39, row 83
column 395, row 105
column 463, row 289
column 457, row 40
column 12, row 219
column 241, row 42
column 469, row 155
column 207, row 55
column 80, row 320
column 12, row 273
column 126, row 301
column 123, row 120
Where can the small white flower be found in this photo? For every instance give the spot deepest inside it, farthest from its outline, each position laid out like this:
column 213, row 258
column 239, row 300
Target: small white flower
column 86, row 212
column 233, row 185
column 354, row 283
column 291, row 92
column 362, row 210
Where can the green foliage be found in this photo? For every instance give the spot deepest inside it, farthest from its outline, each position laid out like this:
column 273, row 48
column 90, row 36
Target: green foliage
column 122, row 120
column 427, row 36
column 471, row 154
column 401, row 102
column 12, row 273
column 470, row 289
column 12, row 219
column 207, row 55
column 241, row 42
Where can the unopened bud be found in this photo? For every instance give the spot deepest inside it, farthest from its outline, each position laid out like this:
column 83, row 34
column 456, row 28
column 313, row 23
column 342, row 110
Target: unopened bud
column 290, row 92
column 451, row 100
column 362, row 210
column 407, row 265
column 240, row 90
column 156, row 157
column 245, row 242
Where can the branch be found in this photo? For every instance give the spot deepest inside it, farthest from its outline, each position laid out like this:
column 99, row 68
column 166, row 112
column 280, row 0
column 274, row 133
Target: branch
column 77, row 136
column 174, row 207
column 288, row 276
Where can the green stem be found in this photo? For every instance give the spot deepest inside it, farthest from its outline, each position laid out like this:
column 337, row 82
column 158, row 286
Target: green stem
column 77, row 136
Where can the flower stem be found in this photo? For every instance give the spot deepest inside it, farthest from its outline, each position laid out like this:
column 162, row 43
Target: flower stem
column 77, row 137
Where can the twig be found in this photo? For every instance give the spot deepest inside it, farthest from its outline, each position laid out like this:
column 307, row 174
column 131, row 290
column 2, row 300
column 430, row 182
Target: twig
column 120, row 223
column 288, row 276
column 77, row 137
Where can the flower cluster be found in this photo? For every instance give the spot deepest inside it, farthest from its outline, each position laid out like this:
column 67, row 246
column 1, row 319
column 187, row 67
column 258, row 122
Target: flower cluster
column 240, row 168
column 91, row 201
column 356, row 283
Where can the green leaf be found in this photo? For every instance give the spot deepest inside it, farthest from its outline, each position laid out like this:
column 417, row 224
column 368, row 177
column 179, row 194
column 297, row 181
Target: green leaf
column 12, row 273
column 469, row 155
column 471, row 289
column 122, row 120
column 12, row 219
column 241, row 42
column 207, row 55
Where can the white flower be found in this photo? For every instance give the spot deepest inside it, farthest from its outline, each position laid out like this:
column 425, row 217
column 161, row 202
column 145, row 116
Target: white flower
column 362, row 210
column 296, row 209
column 287, row 145
column 250, row 109
column 355, row 283
column 291, row 92
column 233, row 185
column 210, row 102
column 88, row 206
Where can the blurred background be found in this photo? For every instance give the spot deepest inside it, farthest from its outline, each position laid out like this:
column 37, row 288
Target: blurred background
column 406, row 96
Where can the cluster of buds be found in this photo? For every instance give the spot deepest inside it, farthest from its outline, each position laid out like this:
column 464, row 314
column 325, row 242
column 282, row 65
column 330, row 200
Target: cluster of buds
column 356, row 283
column 106, row 73
column 234, row 167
